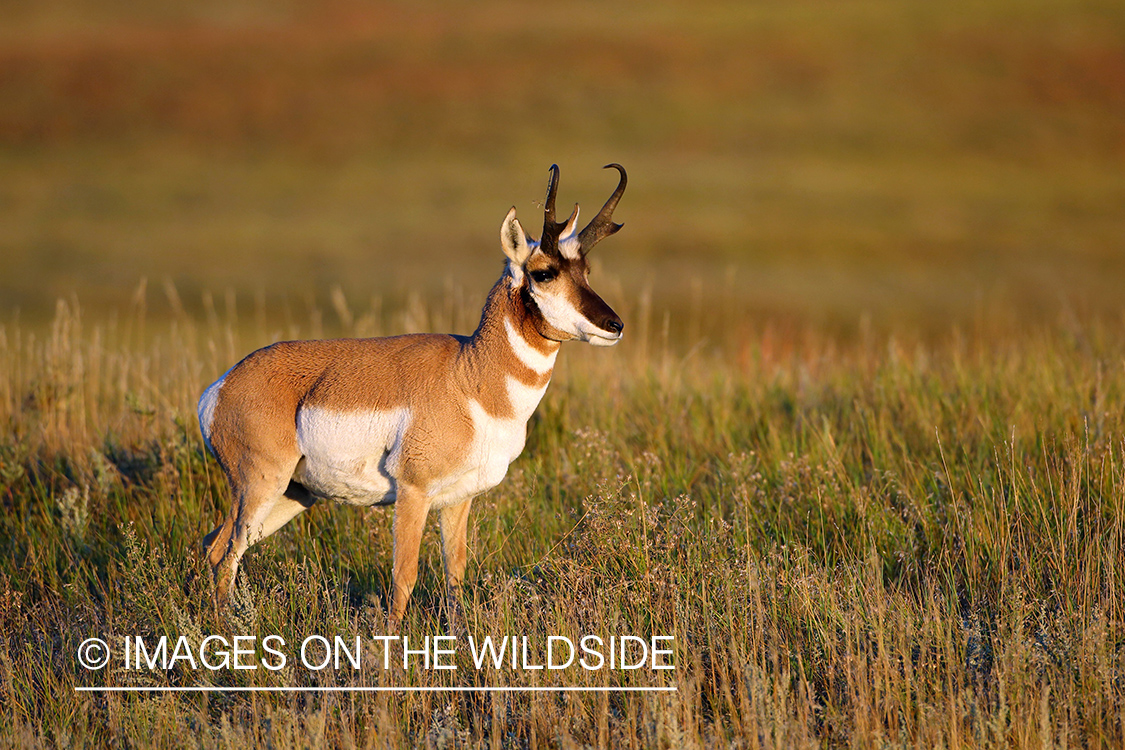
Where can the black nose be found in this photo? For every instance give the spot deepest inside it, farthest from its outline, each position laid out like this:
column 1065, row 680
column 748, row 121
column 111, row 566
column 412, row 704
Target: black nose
column 614, row 326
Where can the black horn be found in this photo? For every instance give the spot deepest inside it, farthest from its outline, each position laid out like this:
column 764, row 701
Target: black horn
column 551, row 228
column 602, row 225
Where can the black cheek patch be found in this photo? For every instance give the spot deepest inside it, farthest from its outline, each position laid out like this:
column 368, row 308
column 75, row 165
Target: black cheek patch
column 530, row 307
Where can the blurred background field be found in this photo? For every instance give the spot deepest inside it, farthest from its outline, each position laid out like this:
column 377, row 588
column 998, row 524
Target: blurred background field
column 915, row 163
column 860, row 449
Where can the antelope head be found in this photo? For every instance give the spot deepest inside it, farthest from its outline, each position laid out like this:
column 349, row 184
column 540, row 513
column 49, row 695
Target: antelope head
column 552, row 273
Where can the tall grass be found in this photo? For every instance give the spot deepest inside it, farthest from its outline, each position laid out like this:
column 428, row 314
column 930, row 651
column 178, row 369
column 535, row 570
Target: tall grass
column 861, row 451
column 855, row 541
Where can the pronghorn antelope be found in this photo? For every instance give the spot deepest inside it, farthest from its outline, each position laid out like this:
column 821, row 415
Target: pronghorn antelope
column 423, row 421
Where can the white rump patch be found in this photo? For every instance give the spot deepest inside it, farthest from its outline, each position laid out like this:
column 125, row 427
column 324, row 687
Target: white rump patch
column 351, row 457
column 206, row 409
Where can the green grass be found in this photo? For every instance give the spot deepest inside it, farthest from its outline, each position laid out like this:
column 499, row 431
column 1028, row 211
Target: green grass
column 861, row 450
column 883, row 541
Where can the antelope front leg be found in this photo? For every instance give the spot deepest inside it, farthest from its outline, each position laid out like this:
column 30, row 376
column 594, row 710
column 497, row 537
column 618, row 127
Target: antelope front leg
column 411, row 507
column 454, row 548
column 454, row 530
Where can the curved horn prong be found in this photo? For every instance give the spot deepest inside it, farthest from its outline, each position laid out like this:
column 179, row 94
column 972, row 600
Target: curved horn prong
column 571, row 220
column 602, row 225
column 551, row 228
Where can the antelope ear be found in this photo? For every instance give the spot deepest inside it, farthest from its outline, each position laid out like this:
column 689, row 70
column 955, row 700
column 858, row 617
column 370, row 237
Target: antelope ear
column 514, row 240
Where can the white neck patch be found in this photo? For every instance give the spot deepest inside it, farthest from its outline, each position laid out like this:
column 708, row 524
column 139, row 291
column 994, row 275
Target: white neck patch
column 524, row 399
column 536, row 360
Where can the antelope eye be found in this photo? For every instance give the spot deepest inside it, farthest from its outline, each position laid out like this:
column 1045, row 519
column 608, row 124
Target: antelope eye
column 542, row 277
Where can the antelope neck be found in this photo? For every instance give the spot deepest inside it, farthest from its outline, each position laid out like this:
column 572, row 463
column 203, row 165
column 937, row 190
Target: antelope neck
column 507, row 343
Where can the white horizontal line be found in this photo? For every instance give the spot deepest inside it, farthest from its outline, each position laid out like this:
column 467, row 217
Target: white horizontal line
column 369, row 689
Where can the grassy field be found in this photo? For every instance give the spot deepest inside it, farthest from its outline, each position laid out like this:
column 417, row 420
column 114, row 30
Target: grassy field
column 861, row 452
column 887, row 541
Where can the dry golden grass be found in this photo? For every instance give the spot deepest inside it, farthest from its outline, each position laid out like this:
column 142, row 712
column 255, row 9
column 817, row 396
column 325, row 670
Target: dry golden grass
column 882, row 541
column 862, row 451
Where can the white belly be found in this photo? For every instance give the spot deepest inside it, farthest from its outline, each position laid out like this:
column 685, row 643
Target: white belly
column 351, row 457
column 356, row 457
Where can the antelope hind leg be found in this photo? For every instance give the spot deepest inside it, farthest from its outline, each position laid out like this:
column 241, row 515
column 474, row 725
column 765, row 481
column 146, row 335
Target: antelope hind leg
column 262, row 508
